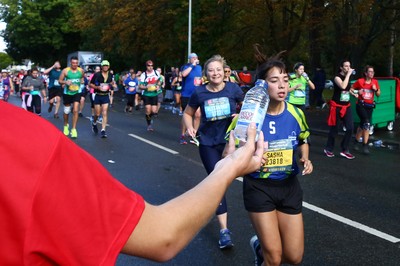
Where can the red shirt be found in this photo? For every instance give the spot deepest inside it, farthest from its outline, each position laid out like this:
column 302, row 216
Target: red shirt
column 58, row 205
column 365, row 91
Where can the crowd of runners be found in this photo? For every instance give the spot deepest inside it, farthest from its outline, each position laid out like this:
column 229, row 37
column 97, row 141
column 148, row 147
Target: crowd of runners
column 208, row 101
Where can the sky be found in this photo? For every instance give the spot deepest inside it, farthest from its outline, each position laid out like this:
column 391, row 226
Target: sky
column 2, row 43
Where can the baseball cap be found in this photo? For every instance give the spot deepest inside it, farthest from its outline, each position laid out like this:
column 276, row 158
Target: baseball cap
column 105, row 63
column 192, row 55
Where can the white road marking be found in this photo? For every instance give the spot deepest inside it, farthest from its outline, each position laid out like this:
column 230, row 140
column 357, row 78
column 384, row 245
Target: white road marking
column 352, row 223
column 153, row 144
column 309, row 206
column 344, row 220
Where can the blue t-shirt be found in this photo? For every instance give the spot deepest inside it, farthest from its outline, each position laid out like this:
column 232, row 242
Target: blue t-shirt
column 217, row 109
column 191, row 81
column 281, row 138
column 54, row 75
column 131, row 85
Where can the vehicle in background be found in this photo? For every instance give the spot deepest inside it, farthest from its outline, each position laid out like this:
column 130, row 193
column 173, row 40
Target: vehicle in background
column 328, row 84
column 88, row 60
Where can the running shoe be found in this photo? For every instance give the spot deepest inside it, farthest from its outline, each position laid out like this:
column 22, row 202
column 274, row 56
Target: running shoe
column 182, row 140
column 150, row 128
column 347, row 155
column 255, row 246
column 56, row 116
column 74, row 133
column 329, row 153
column 195, row 141
column 66, row 130
column 50, row 108
column 80, row 115
column 100, row 119
column 103, row 134
column 94, row 128
column 225, row 240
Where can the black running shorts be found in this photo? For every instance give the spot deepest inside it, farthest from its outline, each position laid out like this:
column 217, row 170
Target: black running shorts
column 265, row 195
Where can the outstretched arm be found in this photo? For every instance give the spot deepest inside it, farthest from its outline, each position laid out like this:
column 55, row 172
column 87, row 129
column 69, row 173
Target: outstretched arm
column 175, row 223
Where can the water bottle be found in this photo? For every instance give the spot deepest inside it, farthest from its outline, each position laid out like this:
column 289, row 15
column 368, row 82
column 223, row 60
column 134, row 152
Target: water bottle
column 254, row 108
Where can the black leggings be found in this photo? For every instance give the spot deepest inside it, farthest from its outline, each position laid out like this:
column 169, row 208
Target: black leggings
column 210, row 155
column 365, row 114
column 36, row 104
column 333, row 130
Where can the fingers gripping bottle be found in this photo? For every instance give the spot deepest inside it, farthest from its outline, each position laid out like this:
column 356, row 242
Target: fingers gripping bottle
column 254, row 108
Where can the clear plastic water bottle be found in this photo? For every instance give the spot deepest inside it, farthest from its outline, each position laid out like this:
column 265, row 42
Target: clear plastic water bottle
column 254, row 108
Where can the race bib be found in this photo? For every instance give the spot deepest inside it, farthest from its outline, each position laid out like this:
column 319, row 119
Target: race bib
column 197, row 81
column 132, row 86
column 344, row 96
column 178, row 88
column 278, row 157
column 299, row 93
column 367, row 95
column 73, row 87
column 217, row 109
column 152, row 88
column 104, row 87
column 56, row 83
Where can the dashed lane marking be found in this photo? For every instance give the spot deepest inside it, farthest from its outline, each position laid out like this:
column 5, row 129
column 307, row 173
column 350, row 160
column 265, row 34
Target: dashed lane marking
column 153, row 144
column 309, row 206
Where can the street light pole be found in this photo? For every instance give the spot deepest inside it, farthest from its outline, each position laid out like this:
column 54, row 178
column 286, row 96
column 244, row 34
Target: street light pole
column 190, row 28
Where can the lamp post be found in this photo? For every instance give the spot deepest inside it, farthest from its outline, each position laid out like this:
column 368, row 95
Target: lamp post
column 190, row 28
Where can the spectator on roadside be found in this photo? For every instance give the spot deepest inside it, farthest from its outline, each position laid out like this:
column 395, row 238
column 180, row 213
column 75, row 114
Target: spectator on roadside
column 246, row 79
column 365, row 89
column 82, row 215
column 316, row 95
column 298, row 82
column 340, row 111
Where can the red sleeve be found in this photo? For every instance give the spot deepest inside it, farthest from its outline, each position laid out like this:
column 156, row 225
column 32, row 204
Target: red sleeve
column 357, row 84
column 376, row 83
column 80, row 214
column 58, row 204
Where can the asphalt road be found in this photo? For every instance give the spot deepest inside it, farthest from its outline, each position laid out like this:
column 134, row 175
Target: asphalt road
column 351, row 207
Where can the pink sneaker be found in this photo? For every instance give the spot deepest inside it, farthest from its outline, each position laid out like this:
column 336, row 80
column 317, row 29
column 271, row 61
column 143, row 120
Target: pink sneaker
column 347, row 155
column 329, row 153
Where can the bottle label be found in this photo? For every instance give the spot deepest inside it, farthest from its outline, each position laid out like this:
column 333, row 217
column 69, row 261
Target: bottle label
column 217, row 108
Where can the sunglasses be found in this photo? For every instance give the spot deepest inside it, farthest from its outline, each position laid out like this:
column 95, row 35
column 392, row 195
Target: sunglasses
column 227, row 71
column 149, row 65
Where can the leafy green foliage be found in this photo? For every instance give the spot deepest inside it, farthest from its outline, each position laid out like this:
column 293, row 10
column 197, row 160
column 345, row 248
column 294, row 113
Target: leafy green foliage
column 316, row 32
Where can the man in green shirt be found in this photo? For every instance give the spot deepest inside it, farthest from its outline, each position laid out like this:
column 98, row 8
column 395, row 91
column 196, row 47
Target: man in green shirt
column 72, row 80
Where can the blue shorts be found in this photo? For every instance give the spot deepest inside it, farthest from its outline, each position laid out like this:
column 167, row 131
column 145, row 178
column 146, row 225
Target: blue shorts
column 265, row 195
column 101, row 99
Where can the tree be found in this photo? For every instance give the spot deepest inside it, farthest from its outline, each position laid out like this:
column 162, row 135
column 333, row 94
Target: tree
column 39, row 29
column 5, row 60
